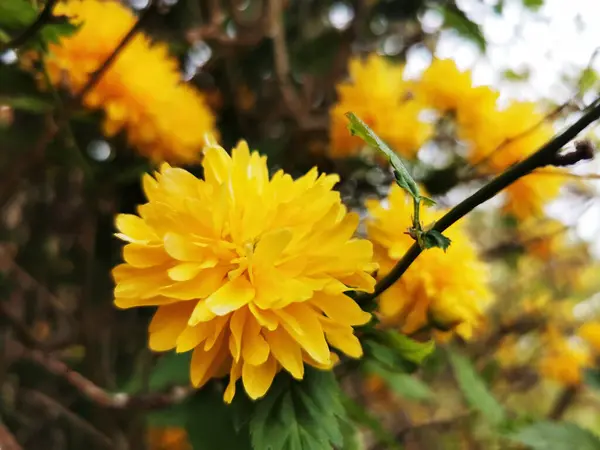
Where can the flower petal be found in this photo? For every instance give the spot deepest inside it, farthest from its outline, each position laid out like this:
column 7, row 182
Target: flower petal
column 286, row 351
column 258, row 379
column 231, row 296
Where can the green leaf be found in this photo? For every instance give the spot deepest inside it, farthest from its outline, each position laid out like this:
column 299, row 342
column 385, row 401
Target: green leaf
column 299, row 415
column 171, row 369
column 15, row 14
column 27, row 103
column 358, row 128
column 408, row 348
column 548, row 435
column 433, row 238
column 511, row 75
column 592, row 378
column 588, row 79
column 352, row 439
column 210, row 423
column 474, row 389
column 499, row 7
column 456, row 19
column 533, row 5
column 362, row 416
column 404, row 385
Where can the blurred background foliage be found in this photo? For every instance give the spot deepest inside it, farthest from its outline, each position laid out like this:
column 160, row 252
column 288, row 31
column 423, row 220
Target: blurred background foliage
column 61, row 187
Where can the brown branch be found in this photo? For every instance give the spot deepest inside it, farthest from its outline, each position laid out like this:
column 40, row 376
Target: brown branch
column 43, row 19
column 7, row 440
column 282, row 62
column 566, row 398
column 540, row 158
column 27, row 161
column 98, row 395
column 57, row 409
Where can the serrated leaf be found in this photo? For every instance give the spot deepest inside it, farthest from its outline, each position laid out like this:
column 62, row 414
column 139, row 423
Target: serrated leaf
column 587, row 80
column 433, row 238
column 533, row 5
column 171, row 369
column 358, row 128
column 404, row 385
column 408, row 348
column 548, row 435
column 363, row 417
column 210, row 423
column 474, row 389
column 456, row 19
column 299, row 415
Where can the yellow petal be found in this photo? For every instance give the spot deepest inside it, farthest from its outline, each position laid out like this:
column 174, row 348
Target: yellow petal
column 183, row 249
column 306, row 330
column 217, row 165
column 255, row 349
column 205, row 364
column 265, row 318
column 143, row 256
column 191, row 337
column 236, row 325
column 187, row 271
column 166, row 326
column 270, row 246
column 134, row 229
column 286, row 351
column 231, row 296
column 258, row 379
column 217, row 332
column 341, row 308
column 234, row 375
column 346, row 342
column 205, row 283
column 200, row 313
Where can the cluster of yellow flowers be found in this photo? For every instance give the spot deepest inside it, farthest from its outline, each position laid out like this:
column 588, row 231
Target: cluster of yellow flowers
column 496, row 137
column 449, row 289
column 248, row 271
column 142, row 91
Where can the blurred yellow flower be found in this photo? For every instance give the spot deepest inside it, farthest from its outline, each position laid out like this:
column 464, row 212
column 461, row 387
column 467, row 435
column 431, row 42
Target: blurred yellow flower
column 563, row 360
column 449, row 288
column 378, row 94
column 443, row 86
column 142, row 92
column 168, row 438
column 542, row 238
column 590, row 333
column 507, row 137
column 249, row 272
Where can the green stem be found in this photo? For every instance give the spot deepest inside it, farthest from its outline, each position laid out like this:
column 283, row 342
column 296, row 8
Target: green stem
column 543, row 157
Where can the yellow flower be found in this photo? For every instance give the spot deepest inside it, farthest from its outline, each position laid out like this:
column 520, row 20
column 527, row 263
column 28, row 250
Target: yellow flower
column 167, row 438
column 590, row 332
column 450, row 288
column 249, row 272
column 141, row 92
column 563, row 360
column 507, row 137
column 443, row 86
column 378, row 95
column 542, row 239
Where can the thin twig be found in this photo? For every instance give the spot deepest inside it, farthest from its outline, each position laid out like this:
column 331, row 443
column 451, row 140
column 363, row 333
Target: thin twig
column 98, row 395
column 563, row 402
column 543, row 157
column 55, row 408
column 97, row 75
column 7, row 440
column 33, row 29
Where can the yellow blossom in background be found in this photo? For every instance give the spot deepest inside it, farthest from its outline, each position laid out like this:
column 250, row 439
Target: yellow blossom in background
column 542, row 238
column 444, row 86
column 248, row 271
column 378, row 94
column 167, row 438
column 526, row 197
column 448, row 287
column 590, row 333
column 563, row 360
column 142, row 92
